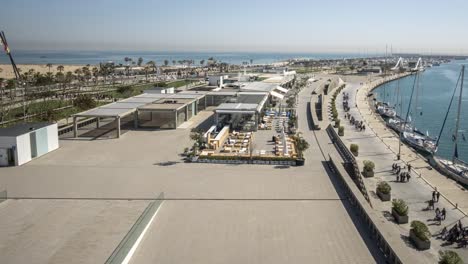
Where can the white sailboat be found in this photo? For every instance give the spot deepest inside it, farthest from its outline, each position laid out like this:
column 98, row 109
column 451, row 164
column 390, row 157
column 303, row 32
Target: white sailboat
column 454, row 168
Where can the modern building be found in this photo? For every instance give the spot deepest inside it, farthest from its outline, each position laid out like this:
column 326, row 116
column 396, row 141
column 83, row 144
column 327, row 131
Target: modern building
column 160, row 90
column 24, row 142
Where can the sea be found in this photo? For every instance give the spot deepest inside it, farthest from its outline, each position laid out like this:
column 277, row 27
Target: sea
column 96, row 57
column 430, row 104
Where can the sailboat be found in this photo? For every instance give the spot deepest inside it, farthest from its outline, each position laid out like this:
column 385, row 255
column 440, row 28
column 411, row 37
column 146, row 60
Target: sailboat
column 454, row 168
column 397, row 123
column 416, row 139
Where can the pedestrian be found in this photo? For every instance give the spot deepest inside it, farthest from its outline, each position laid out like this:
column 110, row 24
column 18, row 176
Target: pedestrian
column 398, row 169
column 434, row 196
column 444, row 214
column 430, row 205
column 408, row 176
column 409, row 167
column 402, row 176
column 397, row 177
column 437, row 196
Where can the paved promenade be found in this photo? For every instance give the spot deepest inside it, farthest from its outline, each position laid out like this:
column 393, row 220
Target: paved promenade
column 380, row 145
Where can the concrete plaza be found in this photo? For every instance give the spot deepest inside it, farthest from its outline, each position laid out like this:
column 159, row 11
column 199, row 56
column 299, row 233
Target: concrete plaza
column 213, row 213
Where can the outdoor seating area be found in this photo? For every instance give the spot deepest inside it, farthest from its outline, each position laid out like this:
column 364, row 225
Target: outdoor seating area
column 276, row 120
column 284, row 147
column 238, row 142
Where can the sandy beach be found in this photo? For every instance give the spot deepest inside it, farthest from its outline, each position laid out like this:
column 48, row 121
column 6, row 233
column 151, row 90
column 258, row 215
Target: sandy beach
column 7, row 71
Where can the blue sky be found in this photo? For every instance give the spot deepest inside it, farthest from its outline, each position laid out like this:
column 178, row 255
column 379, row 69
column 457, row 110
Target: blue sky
column 241, row 25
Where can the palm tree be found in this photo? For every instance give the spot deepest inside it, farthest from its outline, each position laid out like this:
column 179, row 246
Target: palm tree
column 166, row 62
column 140, row 61
column 95, row 72
column 152, row 64
column 60, row 68
column 49, row 65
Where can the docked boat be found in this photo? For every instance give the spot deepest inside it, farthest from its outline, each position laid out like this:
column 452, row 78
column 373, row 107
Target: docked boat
column 457, row 169
column 396, row 124
column 420, row 142
column 454, row 168
column 386, row 111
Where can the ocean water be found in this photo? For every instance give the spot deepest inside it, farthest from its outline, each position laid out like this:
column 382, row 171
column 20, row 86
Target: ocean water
column 430, row 104
column 95, row 57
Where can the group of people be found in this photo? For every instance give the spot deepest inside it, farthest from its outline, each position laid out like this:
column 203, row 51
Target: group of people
column 401, row 176
column 346, row 107
column 440, row 215
column 359, row 125
column 457, row 233
column 435, row 199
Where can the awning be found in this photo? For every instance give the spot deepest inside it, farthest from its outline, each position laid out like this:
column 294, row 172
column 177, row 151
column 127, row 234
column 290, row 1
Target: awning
column 281, row 89
column 277, row 95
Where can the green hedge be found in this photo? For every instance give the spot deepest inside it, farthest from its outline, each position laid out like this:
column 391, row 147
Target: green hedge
column 214, row 157
column 420, row 230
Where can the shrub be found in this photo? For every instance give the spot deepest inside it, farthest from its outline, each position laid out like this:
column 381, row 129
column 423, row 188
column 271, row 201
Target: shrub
column 449, row 257
column 337, row 122
column 420, row 230
column 341, row 131
column 85, row 102
column 400, row 207
column 384, row 187
column 354, row 148
column 368, row 165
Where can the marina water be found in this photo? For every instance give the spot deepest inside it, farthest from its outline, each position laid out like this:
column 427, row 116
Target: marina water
column 432, row 99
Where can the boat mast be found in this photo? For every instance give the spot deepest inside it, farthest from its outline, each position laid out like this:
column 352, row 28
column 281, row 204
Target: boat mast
column 458, row 114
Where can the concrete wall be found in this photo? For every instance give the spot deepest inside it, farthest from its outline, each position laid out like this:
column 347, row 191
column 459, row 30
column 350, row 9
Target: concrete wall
column 52, row 137
column 23, row 149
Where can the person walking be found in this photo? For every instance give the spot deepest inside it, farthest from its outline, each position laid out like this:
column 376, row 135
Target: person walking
column 437, row 196
column 434, row 196
column 409, row 167
column 444, row 214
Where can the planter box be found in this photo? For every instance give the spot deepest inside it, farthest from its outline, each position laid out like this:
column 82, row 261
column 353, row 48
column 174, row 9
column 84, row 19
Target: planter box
column 300, row 162
column 400, row 219
column 418, row 243
column 368, row 174
column 355, row 153
column 384, row 197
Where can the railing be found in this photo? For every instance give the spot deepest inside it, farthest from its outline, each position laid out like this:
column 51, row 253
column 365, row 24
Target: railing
column 364, row 212
column 69, row 128
column 350, row 162
column 126, row 248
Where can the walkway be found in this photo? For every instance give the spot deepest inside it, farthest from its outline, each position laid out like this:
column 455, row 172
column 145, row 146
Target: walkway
column 374, row 145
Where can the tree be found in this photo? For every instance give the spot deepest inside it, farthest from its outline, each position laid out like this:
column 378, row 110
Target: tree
column 166, row 62
column 301, row 145
column 49, row 65
column 202, row 62
column 60, row 68
column 140, row 61
column 197, row 136
column 152, row 65
column 95, row 72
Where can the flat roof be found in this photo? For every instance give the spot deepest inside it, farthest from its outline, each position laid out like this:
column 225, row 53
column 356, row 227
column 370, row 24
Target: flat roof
column 127, row 106
column 21, row 129
column 155, row 107
column 237, row 106
column 258, row 86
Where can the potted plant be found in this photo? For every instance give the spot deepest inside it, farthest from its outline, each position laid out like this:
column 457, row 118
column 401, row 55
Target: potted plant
column 368, row 170
column 449, row 257
column 341, row 131
column 301, row 146
column 337, row 122
column 384, row 191
column 354, row 149
column 400, row 211
column 420, row 236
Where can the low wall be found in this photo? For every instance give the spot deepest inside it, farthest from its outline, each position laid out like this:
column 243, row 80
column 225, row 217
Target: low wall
column 351, row 164
column 248, row 161
column 393, row 248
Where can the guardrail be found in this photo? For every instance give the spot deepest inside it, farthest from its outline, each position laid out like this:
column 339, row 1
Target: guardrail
column 350, row 162
column 365, row 213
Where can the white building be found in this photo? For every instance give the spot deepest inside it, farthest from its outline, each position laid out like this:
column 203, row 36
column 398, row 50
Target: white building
column 24, row 142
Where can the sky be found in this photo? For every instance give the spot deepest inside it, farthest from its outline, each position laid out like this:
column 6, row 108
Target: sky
column 357, row 26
